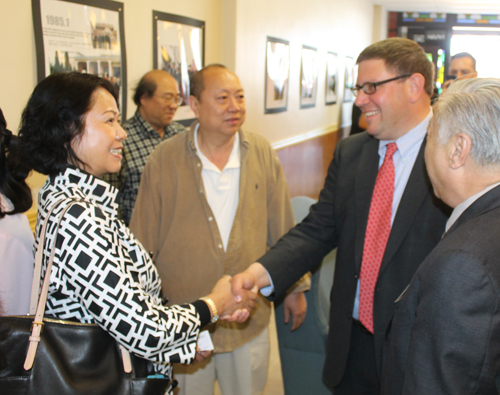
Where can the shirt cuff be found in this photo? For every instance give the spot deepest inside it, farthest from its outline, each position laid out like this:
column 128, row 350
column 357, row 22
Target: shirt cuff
column 267, row 291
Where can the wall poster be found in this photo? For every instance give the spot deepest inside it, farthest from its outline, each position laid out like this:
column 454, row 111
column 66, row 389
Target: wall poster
column 332, row 76
column 308, row 77
column 350, row 79
column 277, row 73
column 81, row 35
column 179, row 48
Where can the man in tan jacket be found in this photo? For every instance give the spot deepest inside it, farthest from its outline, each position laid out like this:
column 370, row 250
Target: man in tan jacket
column 211, row 201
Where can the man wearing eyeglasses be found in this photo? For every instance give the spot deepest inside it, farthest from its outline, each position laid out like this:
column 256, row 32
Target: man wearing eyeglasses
column 377, row 208
column 157, row 99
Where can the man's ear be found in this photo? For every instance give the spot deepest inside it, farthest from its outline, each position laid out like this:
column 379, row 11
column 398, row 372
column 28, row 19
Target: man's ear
column 144, row 98
column 194, row 104
column 460, row 146
column 416, row 86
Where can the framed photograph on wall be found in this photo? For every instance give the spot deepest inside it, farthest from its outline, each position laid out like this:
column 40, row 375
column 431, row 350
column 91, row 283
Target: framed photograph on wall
column 332, row 76
column 349, row 79
column 179, row 48
column 81, row 35
column 308, row 77
column 277, row 75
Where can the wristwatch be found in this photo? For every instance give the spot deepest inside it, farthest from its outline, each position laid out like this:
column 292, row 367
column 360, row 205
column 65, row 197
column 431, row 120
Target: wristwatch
column 213, row 308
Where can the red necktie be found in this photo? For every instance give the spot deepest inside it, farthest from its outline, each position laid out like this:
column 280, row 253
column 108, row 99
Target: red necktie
column 377, row 234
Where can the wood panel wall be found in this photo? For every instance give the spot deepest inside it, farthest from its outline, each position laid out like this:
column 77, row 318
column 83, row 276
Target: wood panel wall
column 306, row 163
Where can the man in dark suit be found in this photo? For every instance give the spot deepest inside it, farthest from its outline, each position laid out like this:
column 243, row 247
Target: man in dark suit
column 445, row 336
column 393, row 90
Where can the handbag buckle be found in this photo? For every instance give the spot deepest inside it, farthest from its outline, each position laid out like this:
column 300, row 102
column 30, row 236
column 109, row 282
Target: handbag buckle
column 37, row 323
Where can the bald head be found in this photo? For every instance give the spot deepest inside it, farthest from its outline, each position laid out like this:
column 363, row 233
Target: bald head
column 197, row 83
column 149, row 82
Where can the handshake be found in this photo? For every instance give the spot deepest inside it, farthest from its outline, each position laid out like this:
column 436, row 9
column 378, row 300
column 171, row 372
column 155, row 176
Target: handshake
column 235, row 297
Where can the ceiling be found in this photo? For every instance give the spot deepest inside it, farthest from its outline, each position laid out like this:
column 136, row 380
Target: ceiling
column 450, row 6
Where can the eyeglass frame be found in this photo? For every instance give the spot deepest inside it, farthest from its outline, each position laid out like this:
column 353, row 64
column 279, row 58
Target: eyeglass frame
column 355, row 89
column 170, row 98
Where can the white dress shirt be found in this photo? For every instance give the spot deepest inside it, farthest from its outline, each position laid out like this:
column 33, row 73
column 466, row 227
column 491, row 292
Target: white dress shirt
column 404, row 159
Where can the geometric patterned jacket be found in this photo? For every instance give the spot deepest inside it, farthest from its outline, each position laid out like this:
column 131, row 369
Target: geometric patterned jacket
column 102, row 274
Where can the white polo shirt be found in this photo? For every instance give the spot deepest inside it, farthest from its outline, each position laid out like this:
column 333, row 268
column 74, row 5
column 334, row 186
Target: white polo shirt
column 222, row 187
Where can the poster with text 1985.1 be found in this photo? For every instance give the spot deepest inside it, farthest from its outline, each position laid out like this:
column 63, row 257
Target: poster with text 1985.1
column 81, row 35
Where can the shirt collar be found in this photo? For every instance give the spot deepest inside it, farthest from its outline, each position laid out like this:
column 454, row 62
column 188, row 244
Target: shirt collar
column 234, row 161
column 458, row 211
column 410, row 141
column 145, row 124
column 93, row 188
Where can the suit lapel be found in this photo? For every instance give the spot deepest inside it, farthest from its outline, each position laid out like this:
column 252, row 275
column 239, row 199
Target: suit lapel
column 417, row 188
column 366, row 174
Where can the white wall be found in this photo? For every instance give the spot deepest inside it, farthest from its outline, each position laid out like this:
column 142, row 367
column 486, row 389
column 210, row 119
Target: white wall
column 17, row 45
column 344, row 27
column 380, row 23
column 236, row 33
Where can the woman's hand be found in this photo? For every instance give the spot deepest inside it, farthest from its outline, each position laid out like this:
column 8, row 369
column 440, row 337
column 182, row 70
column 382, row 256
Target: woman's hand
column 227, row 308
column 201, row 355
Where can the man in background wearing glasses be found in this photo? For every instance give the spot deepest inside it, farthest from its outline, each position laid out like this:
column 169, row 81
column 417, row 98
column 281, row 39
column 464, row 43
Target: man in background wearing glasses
column 377, row 208
column 157, row 99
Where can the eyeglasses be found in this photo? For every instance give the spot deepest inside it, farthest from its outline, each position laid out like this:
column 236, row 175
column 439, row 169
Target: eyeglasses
column 170, row 98
column 371, row 87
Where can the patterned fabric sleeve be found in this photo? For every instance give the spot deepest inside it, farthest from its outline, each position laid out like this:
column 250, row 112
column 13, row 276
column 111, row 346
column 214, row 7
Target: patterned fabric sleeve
column 101, row 270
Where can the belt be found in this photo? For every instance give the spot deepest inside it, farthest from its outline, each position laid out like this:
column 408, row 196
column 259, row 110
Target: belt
column 360, row 326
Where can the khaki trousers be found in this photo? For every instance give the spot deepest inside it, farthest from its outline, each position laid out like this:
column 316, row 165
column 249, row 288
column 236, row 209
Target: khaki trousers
column 240, row 372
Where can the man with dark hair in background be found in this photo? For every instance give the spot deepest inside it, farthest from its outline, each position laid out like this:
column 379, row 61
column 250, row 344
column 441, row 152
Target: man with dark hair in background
column 377, row 208
column 463, row 66
column 157, row 99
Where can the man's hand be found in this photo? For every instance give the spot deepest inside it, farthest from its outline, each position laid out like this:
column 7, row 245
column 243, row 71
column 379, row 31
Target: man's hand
column 252, row 279
column 295, row 304
column 227, row 306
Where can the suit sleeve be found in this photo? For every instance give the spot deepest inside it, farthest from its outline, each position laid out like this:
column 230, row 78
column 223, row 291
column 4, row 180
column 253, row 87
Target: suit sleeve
column 301, row 249
column 451, row 338
column 280, row 214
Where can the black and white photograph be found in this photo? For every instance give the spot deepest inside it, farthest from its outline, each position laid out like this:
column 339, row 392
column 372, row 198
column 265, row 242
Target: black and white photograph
column 277, row 75
column 349, row 79
column 308, row 77
column 332, row 76
column 178, row 48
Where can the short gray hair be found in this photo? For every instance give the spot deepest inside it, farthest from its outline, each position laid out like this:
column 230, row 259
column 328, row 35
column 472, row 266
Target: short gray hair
column 472, row 107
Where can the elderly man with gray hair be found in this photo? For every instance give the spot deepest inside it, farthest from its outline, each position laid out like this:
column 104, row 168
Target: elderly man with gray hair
column 445, row 336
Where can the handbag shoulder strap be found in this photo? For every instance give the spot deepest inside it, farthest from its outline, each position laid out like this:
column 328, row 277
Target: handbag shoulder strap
column 35, row 285
column 41, row 303
column 36, row 327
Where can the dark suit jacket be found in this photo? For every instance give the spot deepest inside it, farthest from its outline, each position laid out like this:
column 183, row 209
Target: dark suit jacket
column 339, row 220
column 445, row 336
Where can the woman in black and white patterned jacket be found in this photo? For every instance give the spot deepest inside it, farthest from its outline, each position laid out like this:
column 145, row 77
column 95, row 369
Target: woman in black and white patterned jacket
column 101, row 274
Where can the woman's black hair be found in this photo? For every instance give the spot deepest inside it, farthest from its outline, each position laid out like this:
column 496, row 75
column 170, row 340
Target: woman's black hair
column 53, row 118
column 12, row 185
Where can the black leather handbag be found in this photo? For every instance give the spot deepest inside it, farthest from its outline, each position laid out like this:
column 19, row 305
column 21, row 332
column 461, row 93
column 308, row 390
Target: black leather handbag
column 43, row 356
